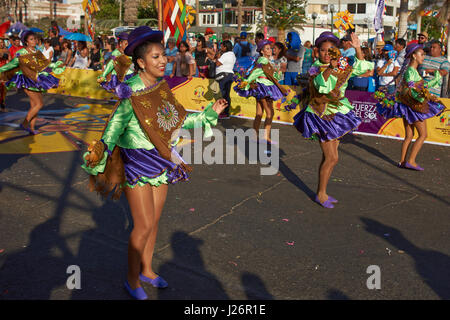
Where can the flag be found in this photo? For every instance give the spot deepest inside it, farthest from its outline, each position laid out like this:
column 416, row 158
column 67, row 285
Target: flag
column 378, row 20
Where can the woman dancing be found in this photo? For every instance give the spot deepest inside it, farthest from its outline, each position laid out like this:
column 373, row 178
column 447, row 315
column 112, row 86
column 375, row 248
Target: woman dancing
column 118, row 68
column 135, row 154
column 413, row 103
column 262, row 84
column 327, row 115
column 30, row 70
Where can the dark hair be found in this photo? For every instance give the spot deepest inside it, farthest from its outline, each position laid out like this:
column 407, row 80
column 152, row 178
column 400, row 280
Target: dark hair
column 434, row 41
column 47, row 41
column 228, row 45
column 141, row 50
column 202, row 41
column 184, row 43
column 112, row 43
column 367, row 54
column 121, row 40
column 401, row 42
column 31, row 33
column 97, row 44
column 65, row 41
column 83, row 45
column 259, row 35
column 280, row 46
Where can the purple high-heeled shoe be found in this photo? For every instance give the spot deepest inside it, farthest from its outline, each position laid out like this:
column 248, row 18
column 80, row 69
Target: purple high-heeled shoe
column 327, row 204
column 138, row 293
column 332, row 200
column 410, row 166
column 33, row 132
column 158, row 282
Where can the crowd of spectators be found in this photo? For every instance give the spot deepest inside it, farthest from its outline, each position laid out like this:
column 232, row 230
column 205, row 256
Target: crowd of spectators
column 203, row 57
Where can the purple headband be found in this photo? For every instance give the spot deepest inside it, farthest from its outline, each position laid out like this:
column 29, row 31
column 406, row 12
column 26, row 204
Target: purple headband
column 327, row 36
column 261, row 44
column 411, row 48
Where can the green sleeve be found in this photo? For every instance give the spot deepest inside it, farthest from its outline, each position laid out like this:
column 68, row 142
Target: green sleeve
column 436, row 81
column 118, row 123
column 99, row 168
column 14, row 63
column 323, row 86
column 55, row 66
column 361, row 66
column 109, row 67
column 206, row 119
column 411, row 75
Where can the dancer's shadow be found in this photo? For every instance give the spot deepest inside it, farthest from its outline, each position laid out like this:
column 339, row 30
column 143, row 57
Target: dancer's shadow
column 254, row 287
column 186, row 272
column 353, row 139
column 432, row 266
column 102, row 253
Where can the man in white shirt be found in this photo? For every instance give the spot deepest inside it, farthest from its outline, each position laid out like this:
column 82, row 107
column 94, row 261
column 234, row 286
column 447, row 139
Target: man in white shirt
column 224, row 74
column 387, row 68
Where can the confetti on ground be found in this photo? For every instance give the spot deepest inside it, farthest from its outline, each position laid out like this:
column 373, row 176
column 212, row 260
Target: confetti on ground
column 27, row 198
column 300, row 211
column 233, row 263
column 388, row 251
column 2, row 250
column 272, row 220
column 437, row 159
column 401, row 251
column 285, row 220
column 316, row 267
column 192, row 209
column 290, row 243
column 386, row 234
column 361, row 251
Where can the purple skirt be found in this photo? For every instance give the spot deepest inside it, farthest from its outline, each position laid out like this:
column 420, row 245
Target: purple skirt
column 312, row 126
column 272, row 92
column 44, row 82
column 400, row 110
column 114, row 82
column 141, row 165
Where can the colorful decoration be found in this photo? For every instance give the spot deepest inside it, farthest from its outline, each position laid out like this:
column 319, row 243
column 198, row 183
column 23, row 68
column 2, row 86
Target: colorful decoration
column 190, row 16
column 175, row 19
column 429, row 13
column 90, row 7
column 343, row 20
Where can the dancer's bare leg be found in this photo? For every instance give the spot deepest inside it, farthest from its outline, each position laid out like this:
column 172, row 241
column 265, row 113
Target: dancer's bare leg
column 421, row 127
column 409, row 134
column 140, row 200
column 329, row 160
column 159, row 199
column 258, row 117
column 268, row 108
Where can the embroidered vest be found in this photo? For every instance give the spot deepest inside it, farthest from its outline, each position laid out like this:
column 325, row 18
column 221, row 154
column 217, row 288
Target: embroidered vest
column 33, row 63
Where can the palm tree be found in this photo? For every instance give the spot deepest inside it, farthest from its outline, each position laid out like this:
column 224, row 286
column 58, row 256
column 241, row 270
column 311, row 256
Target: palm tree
column 403, row 18
column 284, row 15
column 239, row 20
column 131, row 10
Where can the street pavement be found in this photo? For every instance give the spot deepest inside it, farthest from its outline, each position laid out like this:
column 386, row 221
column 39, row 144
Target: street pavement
column 231, row 233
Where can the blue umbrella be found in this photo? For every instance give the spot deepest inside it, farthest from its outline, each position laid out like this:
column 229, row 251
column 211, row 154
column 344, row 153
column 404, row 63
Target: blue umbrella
column 36, row 30
column 78, row 37
column 63, row 32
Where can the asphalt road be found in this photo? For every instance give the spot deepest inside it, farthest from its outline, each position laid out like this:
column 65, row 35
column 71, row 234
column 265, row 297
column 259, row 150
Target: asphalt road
column 230, row 232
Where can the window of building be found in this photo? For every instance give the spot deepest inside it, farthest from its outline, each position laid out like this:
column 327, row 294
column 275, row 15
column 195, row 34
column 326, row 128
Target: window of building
column 351, row 7
column 389, row 11
column 361, row 8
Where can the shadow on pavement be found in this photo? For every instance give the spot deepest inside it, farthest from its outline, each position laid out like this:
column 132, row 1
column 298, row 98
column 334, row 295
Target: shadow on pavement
column 432, row 266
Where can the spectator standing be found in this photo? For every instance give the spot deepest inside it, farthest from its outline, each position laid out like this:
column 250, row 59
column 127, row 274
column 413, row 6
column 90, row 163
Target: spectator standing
column 200, row 54
column 224, row 74
column 435, row 65
column 81, row 58
column 110, row 46
column 5, row 57
column 422, row 38
column 15, row 46
column 48, row 50
column 387, row 69
column 307, row 57
column 184, row 64
column 96, row 57
column 211, row 52
column 364, row 82
column 279, row 61
column 54, row 42
column 40, row 44
column 66, row 53
column 294, row 55
column 347, row 49
column 171, row 53
column 242, row 51
column 400, row 47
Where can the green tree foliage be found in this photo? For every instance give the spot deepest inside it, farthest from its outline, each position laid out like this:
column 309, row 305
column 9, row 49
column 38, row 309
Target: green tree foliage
column 109, row 9
column 286, row 14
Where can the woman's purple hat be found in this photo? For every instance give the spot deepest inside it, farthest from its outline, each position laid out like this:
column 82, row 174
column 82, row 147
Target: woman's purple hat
column 123, row 36
column 411, row 48
column 140, row 35
column 261, row 44
column 326, row 36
